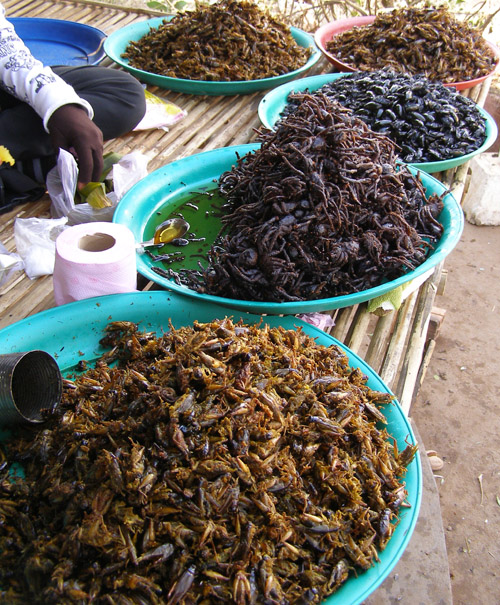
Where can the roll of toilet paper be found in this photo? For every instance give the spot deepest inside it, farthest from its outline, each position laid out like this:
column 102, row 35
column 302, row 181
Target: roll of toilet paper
column 93, row 259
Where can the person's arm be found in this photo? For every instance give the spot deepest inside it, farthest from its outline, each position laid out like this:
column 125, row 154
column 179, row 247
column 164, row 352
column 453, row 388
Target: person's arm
column 66, row 116
column 29, row 80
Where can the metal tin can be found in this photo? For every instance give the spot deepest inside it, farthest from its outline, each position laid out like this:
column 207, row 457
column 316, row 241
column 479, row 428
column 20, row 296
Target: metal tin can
column 30, row 382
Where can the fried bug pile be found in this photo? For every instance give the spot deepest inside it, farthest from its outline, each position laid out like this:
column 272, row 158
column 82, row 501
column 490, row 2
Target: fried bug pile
column 319, row 210
column 428, row 121
column 426, row 41
column 230, row 40
column 216, row 463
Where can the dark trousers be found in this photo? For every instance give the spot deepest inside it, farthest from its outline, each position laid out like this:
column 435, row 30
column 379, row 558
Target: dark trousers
column 116, row 97
column 119, row 105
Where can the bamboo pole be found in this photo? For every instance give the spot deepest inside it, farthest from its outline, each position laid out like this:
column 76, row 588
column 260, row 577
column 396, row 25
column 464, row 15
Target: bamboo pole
column 358, row 328
column 343, row 322
column 379, row 341
column 428, row 352
column 389, row 369
column 120, row 7
column 409, row 373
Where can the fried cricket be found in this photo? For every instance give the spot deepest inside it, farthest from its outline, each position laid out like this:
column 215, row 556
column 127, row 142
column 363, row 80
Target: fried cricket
column 230, row 40
column 217, row 463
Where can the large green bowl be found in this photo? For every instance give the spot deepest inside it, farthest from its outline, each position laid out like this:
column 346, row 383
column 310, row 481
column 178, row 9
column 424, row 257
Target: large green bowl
column 71, row 333
column 165, row 190
column 116, row 43
column 275, row 101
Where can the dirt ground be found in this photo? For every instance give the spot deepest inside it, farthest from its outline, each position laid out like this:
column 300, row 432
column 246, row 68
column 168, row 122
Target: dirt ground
column 457, row 414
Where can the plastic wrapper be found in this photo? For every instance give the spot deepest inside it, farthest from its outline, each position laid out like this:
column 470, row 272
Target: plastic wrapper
column 159, row 113
column 319, row 320
column 127, row 172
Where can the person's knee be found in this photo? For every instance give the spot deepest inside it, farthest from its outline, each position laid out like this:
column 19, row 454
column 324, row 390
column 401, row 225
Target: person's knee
column 134, row 101
column 117, row 97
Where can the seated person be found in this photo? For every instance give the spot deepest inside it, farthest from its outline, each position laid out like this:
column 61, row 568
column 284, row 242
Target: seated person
column 43, row 109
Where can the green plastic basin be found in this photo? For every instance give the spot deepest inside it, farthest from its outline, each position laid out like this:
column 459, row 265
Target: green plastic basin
column 166, row 190
column 116, row 43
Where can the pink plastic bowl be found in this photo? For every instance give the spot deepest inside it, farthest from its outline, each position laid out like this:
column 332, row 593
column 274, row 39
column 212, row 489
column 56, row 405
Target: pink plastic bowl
column 326, row 32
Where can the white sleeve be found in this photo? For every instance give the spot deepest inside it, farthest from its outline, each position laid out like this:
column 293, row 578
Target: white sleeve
column 29, row 80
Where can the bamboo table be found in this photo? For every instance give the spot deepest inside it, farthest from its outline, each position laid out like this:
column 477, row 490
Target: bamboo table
column 395, row 344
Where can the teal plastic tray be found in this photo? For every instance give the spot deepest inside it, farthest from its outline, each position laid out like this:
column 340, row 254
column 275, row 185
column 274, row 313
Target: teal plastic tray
column 165, row 190
column 116, row 43
column 273, row 104
column 71, row 333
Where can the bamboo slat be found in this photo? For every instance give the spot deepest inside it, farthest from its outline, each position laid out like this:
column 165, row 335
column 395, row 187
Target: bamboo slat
column 356, row 334
column 380, row 341
column 416, row 342
column 390, row 365
column 343, row 320
column 25, row 299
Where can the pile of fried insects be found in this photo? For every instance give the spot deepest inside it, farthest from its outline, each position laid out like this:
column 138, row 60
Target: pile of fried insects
column 216, row 463
column 428, row 121
column 230, row 40
column 323, row 208
column 428, row 41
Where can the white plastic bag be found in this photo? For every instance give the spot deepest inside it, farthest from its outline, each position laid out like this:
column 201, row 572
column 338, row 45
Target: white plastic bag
column 481, row 204
column 127, row 172
column 9, row 262
column 62, row 184
column 36, row 243
column 85, row 213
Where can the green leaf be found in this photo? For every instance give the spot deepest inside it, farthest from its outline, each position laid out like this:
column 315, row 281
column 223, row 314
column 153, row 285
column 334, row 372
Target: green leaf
column 110, row 159
column 95, row 195
column 157, row 6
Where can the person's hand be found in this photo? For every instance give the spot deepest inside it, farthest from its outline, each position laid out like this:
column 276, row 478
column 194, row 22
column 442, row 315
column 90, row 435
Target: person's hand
column 70, row 128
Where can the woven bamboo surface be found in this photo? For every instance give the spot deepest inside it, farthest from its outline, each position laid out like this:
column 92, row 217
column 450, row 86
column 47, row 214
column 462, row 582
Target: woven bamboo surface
column 394, row 344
